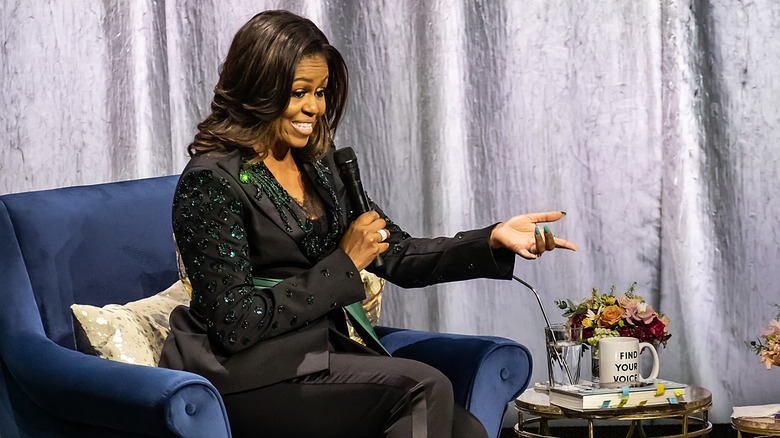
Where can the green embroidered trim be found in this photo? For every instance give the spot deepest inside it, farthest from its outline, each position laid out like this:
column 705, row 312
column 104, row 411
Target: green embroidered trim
column 315, row 245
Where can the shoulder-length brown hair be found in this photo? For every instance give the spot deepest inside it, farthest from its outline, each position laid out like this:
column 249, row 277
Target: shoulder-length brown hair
column 255, row 86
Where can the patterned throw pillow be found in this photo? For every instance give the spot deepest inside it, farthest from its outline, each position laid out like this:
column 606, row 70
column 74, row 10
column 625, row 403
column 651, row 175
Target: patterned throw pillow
column 133, row 332
column 373, row 286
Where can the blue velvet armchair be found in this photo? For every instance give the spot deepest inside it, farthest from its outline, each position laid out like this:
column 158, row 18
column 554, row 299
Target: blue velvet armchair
column 112, row 243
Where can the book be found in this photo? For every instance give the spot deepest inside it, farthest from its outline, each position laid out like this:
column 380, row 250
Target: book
column 589, row 395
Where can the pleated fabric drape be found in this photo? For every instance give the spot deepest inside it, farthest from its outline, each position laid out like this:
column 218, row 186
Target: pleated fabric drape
column 653, row 124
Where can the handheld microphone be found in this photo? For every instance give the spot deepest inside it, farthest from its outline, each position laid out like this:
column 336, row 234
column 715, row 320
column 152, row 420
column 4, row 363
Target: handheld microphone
column 346, row 162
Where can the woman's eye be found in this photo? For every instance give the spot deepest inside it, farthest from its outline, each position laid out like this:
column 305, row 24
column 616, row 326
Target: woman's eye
column 320, row 93
column 299, row 93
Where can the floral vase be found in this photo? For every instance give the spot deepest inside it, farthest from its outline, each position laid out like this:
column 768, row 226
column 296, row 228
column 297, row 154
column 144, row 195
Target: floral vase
column 594, row 364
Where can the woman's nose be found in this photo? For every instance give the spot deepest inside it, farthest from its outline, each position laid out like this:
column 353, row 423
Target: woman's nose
column 311, row 105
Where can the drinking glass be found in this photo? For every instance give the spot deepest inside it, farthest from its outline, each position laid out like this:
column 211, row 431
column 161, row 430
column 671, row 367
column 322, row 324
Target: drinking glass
column 564, row 354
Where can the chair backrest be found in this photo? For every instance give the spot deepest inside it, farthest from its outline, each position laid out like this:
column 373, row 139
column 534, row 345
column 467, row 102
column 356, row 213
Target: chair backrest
column 99, row 244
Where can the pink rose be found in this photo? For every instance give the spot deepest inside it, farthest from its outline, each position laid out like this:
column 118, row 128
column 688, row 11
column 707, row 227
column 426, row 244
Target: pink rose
column 772, row 329
column 645, row 313
column 627, row 303
column 633, row 310
column 629, row 314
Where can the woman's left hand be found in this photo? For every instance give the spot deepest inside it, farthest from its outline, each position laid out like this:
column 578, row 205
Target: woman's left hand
column 521, row 235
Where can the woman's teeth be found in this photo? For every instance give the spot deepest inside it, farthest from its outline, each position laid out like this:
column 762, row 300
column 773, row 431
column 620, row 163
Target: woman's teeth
column 304, row 128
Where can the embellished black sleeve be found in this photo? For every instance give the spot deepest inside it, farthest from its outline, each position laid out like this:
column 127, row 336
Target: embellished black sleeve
column 209, row 222
column 416, row 262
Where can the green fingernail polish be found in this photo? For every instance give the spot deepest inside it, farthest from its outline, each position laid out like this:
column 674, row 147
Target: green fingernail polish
column 546, row 229
column 537, row 231
column 563, row 213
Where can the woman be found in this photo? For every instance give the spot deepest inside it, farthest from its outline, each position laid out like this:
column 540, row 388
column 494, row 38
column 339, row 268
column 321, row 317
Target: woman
column 262, row 223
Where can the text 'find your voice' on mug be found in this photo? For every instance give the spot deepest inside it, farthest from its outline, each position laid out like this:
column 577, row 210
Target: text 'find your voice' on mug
column 619, row 361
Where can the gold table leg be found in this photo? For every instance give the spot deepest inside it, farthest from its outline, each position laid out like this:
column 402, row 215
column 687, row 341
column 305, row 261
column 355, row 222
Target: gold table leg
column 544, row 427
column 630, row 432
column 641, row 429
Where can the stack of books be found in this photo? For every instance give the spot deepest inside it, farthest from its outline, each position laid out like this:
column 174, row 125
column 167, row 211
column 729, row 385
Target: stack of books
column 589, row 395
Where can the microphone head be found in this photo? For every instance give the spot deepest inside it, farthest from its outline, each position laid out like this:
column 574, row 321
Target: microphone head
column 344, row 155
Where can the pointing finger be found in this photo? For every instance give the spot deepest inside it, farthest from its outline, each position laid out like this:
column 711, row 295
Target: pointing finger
column 550, row 216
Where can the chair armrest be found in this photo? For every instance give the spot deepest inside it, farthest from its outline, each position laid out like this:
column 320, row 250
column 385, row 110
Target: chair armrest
column 138, row 399
column 486, row 372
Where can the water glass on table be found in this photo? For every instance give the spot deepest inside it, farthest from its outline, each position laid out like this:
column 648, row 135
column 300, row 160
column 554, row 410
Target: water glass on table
column 564, row 354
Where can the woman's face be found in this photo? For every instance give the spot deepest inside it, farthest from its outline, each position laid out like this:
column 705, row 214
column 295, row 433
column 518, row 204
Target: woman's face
column 307, row 102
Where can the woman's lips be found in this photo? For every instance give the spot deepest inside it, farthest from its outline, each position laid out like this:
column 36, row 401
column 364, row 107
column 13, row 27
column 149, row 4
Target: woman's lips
column 305, row 128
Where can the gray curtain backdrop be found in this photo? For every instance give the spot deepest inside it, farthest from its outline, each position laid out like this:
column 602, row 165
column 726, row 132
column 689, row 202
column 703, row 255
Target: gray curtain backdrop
column 654, row 124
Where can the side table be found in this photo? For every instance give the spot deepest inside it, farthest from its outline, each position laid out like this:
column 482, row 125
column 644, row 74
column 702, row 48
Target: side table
column 762, row 426
column 537, row 406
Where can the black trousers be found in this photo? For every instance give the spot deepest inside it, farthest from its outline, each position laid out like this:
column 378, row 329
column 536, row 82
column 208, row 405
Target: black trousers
column 362, row 396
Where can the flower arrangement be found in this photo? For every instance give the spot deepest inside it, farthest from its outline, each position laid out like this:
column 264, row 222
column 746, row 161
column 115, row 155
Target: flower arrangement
column 605, row 315
column 769, row 347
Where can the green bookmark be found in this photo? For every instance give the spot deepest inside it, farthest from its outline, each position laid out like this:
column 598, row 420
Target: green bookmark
column 359, row 316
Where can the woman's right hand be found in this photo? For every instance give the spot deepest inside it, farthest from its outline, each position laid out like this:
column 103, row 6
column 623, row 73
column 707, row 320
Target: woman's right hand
column 363, row 242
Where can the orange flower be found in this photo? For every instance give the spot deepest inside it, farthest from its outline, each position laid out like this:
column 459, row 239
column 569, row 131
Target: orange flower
column 771, row 354
column 610, row 316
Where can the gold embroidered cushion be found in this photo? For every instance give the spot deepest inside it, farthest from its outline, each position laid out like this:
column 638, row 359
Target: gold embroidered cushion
column 373, row 303
column 133, row 332
column 182, row 273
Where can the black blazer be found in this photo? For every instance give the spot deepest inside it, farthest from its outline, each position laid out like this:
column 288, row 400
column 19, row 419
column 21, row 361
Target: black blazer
column 242, row 337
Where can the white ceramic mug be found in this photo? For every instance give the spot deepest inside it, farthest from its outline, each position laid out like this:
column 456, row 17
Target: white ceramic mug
column 619, row 361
